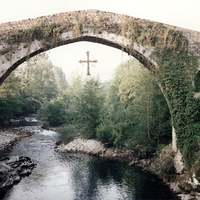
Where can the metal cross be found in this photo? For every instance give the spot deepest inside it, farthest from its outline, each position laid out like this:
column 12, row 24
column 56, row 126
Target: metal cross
column 88, row 62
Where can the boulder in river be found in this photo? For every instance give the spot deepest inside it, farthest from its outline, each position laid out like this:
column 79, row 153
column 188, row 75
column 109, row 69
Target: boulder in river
column 12, row 170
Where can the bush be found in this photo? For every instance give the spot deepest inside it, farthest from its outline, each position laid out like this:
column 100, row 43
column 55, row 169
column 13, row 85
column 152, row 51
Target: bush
column 117, row 138
column 41, row 113
column 67, row 133
column 137, row 139
column 56, row 114
column 104, row 132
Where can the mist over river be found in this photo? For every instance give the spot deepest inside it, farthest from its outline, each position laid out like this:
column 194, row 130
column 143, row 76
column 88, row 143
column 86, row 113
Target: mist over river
column 65, row 176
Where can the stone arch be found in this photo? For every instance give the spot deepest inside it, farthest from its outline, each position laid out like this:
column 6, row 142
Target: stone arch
column 136, row 54
column 171, row 54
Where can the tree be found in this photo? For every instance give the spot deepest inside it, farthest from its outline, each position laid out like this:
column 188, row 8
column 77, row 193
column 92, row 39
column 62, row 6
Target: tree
column 10, row 100
column 30, row 86
column 152, row 114
column 55, row 112
column 60, row 80
column 89, row 104
column 38, row 82
column 136, row 105
column 126, row 78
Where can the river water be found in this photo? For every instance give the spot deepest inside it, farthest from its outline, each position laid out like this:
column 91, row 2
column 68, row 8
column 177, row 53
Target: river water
column 65, row 176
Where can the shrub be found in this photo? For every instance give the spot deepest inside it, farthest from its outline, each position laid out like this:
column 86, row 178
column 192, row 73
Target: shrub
column 56, row 114
column 104, row 132
column 117, row 138
column 67, row 133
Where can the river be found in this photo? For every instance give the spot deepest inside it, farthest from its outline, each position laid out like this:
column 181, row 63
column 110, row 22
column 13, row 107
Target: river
column 64, row 176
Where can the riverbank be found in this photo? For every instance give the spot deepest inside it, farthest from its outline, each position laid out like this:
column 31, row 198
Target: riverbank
column 14, row 168
column 178, row 183
column 95, row 148
column 9, row 136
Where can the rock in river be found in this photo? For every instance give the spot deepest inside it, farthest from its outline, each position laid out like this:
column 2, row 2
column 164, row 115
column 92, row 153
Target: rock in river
column 12, row 169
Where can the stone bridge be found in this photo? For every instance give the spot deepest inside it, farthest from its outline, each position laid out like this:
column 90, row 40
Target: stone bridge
column 172, row 54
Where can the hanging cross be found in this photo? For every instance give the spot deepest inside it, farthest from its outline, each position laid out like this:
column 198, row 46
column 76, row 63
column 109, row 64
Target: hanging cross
column 88, row 62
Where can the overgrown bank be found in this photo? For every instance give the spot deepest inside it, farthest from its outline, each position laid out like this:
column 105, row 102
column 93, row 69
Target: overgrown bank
column 161, row 165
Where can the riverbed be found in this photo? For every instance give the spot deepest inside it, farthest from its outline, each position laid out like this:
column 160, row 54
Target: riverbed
column 67, row 176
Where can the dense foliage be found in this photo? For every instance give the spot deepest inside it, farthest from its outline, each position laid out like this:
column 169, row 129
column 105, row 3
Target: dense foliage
column 136, row 108
column 10, row 99
column 176, row 74
column 132, row 107
column 89, row 103
column 126, row 111
column 28, row 87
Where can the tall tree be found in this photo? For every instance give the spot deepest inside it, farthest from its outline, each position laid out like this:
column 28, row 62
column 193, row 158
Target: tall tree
column 60, row 80
column 137, row 105
column 29, row 86
column 10, row 100
column 151, row 109
column 38, row 82
column 89, row 104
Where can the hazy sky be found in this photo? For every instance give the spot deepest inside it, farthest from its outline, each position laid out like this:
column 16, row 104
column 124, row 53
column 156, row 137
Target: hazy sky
column 182, row 13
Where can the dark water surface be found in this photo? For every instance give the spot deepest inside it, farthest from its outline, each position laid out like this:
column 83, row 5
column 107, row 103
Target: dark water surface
column 63, row 176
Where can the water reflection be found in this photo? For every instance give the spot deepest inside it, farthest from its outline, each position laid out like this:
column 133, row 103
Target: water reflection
column 105, row 179
column 62, row 176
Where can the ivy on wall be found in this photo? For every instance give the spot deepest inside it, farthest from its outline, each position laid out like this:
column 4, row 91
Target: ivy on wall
column 197, row 82
column 48, row 33
column 176, row 73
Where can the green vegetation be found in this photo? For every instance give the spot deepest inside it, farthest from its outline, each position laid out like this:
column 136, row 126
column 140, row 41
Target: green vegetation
column 127, row 111
column 29, row 87
column 88, row 105
column 197, row 82
column 136, row 108
column 10, row 99
column 55, row 113
column 124, row 112
column 176, row 74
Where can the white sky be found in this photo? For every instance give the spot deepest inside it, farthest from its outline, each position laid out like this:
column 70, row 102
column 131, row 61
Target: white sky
column 182, row 13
